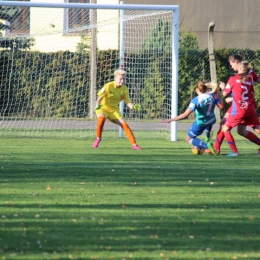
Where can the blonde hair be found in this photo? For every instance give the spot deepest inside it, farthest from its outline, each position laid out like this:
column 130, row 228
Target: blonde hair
column 245, row 68
column 212, row 87
column 119, row 72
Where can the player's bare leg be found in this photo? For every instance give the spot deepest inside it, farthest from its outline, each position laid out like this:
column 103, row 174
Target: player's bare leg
column 241, row 130
column 257, row 129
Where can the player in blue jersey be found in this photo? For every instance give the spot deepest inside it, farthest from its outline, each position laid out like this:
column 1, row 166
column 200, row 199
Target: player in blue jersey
column 203, row 105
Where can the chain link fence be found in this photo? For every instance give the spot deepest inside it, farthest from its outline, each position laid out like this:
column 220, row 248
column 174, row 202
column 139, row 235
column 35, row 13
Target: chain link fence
column 236, row 31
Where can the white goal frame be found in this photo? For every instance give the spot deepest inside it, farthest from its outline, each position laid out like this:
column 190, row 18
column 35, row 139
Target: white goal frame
column 175, row 37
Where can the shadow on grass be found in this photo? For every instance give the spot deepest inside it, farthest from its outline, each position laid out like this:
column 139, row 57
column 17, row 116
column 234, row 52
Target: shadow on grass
column 146, row 227
column 128, row 204
column 158, row 169
column 68, row 219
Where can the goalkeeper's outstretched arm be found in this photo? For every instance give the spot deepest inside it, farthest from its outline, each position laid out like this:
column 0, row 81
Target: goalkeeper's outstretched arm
column 136, row 107
column 98, row 101
column 130, row 105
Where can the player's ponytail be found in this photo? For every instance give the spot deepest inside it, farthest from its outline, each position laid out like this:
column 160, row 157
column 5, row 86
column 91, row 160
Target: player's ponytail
column 202, row 87
column 244, row 70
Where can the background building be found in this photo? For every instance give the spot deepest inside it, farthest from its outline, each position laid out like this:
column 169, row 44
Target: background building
column 236, row 23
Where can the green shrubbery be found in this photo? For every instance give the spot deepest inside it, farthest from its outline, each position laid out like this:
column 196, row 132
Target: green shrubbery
column 35, row 84
column 40, row 84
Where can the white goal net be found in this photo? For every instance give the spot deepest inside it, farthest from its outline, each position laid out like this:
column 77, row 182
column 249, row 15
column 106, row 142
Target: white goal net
column 55, row 58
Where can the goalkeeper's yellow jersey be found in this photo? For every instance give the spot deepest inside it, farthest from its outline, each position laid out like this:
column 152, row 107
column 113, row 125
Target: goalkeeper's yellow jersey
column 111, row 96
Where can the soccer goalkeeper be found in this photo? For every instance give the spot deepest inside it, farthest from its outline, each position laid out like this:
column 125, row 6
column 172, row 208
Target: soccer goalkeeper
column 107, row 107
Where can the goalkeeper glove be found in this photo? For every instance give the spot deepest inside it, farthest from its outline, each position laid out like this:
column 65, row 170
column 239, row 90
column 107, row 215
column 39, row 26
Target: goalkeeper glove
column 137, row 107
column 97, row 107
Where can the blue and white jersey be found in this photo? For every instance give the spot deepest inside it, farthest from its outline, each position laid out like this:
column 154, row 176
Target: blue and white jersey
column 204, row 106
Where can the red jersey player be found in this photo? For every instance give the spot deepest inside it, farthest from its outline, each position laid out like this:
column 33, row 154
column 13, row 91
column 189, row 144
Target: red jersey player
column 242, row 111
column 235, row 61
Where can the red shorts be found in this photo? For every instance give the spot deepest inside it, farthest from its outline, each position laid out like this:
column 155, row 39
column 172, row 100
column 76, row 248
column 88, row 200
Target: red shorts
column 246, row 117
column 228, row 112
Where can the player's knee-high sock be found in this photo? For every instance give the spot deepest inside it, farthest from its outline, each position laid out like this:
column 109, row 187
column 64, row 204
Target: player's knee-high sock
column 231, row 141
column 100, row 125
column 129, row 134
column 219, row 139
column 253, row 138
column 208, row 133
column 198, row 143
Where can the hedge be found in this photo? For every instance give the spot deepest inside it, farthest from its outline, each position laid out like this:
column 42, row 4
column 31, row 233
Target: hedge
column 56, row 85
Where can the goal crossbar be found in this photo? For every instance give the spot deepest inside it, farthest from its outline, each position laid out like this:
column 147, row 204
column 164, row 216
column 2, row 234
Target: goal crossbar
column 90, row 6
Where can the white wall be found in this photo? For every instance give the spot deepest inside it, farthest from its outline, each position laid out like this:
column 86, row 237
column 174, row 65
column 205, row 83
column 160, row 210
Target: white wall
column 47, row 28
column 108, row 27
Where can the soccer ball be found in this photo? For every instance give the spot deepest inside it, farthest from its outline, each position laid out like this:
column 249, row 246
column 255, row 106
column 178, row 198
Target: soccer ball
column 197, row 150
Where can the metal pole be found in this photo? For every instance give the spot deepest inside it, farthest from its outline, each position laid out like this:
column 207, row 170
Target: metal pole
column 90, row 6
column 93, row 61
column 212, row 62
column 175, row 55
column 121, row 60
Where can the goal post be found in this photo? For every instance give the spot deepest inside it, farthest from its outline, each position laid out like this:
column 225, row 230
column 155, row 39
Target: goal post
column 47, row 86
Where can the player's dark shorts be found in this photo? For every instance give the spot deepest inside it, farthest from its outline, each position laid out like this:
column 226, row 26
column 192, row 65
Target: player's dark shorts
column 196, row 130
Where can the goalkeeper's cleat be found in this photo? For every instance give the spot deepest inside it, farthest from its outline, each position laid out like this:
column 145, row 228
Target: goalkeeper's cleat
column 96, row 142
column 233, row 154
column 211, row 148
column 136, row 147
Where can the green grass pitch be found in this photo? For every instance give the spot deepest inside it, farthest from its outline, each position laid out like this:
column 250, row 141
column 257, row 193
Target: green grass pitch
column 62, row 199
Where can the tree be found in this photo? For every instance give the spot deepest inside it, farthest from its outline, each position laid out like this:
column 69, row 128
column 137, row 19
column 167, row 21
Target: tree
column 163, row 35
column 154, row 98
column 7, row 14
column 84, row 45
column 188, row 40
column 159, row 39
column 157, row 49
